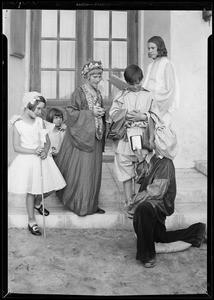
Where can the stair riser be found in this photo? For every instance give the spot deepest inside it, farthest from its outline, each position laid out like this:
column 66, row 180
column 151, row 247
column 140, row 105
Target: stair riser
column 114, row 198
column 177, row 220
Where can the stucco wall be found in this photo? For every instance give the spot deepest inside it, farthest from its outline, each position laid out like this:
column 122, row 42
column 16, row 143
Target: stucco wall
column 188, row 38
column 18, row 76
column 156, row 22
column 185, row 34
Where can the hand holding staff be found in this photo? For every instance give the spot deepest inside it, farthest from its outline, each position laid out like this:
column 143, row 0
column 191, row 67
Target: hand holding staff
column 43, row 204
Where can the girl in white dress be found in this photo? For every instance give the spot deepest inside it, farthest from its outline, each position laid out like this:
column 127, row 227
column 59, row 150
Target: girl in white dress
column 56, row 135
column 31, row 142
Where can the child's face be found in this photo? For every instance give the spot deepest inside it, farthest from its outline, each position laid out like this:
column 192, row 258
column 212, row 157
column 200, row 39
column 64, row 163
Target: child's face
column 136, row 87
column 37, row 111
column 57, row 120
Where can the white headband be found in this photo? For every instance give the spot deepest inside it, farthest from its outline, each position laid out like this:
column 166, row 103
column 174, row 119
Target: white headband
column 30, row 97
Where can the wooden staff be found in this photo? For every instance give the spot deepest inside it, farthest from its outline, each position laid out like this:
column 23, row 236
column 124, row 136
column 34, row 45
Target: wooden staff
column 134, row 181
column 43, row 204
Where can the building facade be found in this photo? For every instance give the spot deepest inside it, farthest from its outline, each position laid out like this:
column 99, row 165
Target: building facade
column 47, row 48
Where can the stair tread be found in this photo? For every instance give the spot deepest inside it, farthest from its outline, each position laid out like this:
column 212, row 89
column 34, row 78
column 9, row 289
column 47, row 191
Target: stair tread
column 110, row 209
column 190, row 204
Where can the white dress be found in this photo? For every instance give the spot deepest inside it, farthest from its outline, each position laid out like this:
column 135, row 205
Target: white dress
column 56, row 138
column 28, row 172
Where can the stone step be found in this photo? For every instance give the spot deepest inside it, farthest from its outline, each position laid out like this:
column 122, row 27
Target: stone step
column 190, row 205
column 191, row 188
column 201, row 166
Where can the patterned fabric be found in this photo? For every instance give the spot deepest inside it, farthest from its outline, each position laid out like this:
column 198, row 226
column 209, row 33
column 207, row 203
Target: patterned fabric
column 91, row 65
column 80, row 158
column 92, row 102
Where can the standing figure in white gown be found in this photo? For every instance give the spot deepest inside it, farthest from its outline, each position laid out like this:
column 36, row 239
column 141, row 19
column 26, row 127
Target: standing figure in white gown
column 31, row 142
column 161, row 79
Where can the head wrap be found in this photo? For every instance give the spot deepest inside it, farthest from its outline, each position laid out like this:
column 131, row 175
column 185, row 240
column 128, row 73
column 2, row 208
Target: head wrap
column 91, row 65
column 30, row 97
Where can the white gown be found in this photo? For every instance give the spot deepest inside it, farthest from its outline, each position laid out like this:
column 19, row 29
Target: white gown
column 28, row 172
column 162, row 81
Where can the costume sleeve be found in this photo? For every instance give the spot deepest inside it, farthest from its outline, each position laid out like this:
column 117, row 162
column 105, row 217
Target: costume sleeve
column 158, row 187
column 116, row 105
column 155, row 113
column 155, row 191
column 80, row 122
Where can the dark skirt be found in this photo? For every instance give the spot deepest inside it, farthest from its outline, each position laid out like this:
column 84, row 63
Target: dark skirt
column 82, row 172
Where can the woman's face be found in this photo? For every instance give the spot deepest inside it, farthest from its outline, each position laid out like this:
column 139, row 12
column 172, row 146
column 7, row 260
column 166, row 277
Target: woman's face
column 152, row 50
column 94, row 78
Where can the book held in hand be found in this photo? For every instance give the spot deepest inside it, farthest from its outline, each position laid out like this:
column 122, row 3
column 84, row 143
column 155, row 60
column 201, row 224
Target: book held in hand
column 136, row 142
column 117, row 82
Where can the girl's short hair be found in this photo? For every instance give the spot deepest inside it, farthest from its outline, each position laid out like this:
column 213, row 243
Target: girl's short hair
column 53, row 112
column 133, row 74
column 33, row 106
column 159, row 42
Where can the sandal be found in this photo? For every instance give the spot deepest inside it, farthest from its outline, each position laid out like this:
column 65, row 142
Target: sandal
column 99, row 211
column 150, row 264
column 34, row 229
column 40, row 210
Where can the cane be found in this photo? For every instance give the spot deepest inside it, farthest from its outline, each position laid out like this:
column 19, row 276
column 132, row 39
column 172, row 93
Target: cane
column 133, row 180
column 43, row 204
column 134, row 185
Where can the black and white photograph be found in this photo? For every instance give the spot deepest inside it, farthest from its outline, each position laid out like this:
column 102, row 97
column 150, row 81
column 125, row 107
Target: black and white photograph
column 107, row 111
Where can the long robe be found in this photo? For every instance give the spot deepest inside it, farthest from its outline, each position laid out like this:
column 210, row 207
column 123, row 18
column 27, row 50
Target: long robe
column 162, row 81
column 80, row 158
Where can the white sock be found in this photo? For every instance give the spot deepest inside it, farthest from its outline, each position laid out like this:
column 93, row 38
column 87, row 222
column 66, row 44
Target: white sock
column 32, row 222
column 38, row 205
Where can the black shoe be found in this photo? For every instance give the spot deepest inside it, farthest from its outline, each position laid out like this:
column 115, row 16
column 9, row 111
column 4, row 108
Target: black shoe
column 34, row 229
column 40, row 210
column 99, row 211
column 200, row 235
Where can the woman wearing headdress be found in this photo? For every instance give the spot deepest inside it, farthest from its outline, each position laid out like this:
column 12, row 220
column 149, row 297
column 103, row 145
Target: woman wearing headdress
column 161, row 79
column 80, row 155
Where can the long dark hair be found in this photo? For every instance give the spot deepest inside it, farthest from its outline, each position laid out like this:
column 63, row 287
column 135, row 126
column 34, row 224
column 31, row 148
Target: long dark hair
column 161, row 48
